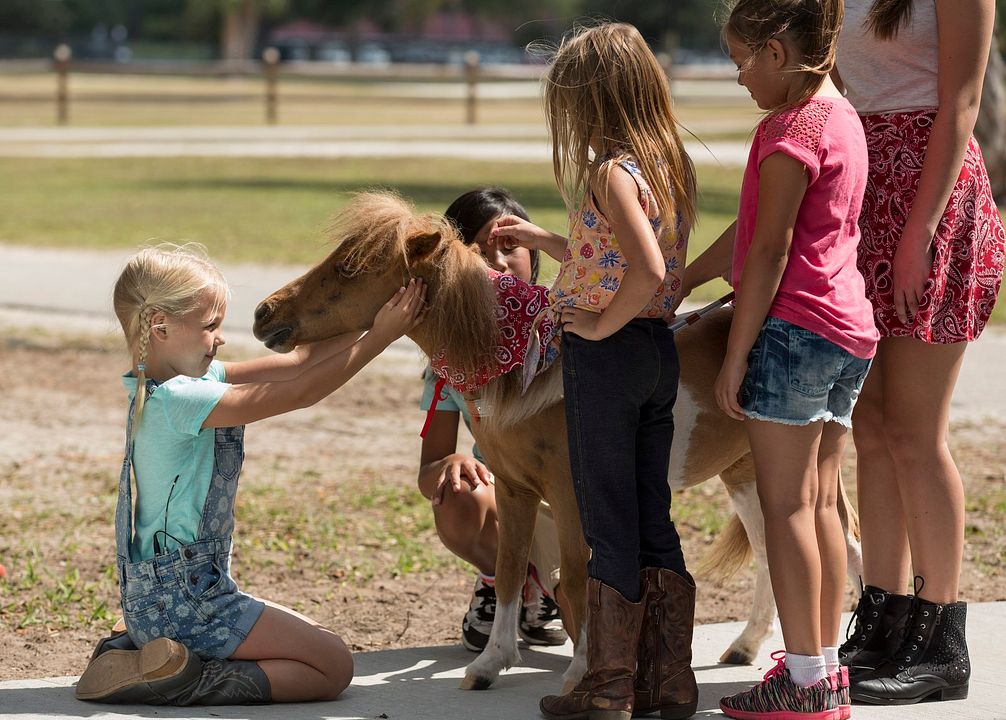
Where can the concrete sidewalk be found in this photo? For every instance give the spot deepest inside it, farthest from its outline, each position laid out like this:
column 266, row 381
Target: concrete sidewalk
column 422, row 684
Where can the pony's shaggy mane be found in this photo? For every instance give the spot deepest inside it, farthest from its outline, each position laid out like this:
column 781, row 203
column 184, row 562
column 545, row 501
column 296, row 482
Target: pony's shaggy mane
column 379, row 230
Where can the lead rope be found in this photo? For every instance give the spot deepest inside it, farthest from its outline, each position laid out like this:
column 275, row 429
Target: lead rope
column 694, row 317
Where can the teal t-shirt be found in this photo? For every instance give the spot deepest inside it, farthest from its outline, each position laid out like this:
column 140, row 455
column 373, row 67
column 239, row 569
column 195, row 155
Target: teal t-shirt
column 453, row 402
column 170, row 444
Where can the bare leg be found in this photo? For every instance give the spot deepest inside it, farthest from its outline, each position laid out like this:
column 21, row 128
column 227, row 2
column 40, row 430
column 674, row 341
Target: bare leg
column 303, row 660
column 830, row 533
column 468, row 525
column 882, row 525
column 786, row 467
column 919, row 381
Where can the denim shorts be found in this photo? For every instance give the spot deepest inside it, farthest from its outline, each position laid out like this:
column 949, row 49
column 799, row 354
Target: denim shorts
column 189, row 596
column 797, row 377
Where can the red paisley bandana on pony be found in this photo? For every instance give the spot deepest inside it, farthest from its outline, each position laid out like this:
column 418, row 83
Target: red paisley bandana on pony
column 518, row 305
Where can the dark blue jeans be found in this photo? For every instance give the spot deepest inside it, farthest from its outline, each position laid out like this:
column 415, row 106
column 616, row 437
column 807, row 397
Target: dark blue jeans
column 620, row 394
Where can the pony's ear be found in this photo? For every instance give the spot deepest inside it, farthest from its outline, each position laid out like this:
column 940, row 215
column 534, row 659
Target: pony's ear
column 421, row 246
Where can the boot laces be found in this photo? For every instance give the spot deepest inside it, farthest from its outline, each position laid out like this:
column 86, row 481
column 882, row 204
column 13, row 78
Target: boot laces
column 863, row 625
column 922, row 618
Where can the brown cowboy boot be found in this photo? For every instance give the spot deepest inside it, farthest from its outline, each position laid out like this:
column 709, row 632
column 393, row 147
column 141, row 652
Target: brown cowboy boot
column 664, row 679
column 605, row 692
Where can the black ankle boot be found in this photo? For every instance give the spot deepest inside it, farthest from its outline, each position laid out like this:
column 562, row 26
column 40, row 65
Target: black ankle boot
column 932, row 661
column 880, row 618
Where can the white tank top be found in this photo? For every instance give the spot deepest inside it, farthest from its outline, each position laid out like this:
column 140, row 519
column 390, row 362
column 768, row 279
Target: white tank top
column 896, row 75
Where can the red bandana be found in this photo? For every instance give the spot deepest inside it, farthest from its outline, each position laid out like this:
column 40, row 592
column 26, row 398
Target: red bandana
column 518, row 305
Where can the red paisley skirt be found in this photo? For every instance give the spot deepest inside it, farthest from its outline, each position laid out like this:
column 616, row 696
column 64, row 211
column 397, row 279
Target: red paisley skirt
column 968, row 246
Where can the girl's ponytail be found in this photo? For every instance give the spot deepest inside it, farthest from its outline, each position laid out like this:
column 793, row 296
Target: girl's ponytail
column 809, row 27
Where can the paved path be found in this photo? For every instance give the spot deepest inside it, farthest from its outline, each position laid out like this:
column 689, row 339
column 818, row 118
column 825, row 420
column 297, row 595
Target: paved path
column 421, row 684
column 71, row 289
column 505, row 143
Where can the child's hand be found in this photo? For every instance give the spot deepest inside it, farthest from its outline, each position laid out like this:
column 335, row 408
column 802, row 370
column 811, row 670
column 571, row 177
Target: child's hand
column 728, row 386
column 460, row 469
column 401, row 313
column 510, row 231
column 582, row 322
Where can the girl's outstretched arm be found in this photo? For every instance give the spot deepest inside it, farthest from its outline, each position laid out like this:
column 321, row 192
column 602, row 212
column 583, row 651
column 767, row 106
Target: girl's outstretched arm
column 714, row 262
column 249, row 402
column 780, row 193
column 509, row 231
column 287, row 366
column 641, row 251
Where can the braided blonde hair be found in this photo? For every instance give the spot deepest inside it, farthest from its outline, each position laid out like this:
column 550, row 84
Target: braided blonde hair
column 171, row 279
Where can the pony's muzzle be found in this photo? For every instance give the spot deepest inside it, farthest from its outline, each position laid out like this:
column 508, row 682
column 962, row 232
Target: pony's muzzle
column 273, row 337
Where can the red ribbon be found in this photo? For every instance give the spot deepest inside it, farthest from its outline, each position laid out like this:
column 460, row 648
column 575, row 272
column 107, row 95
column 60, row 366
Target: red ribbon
column 437, row 397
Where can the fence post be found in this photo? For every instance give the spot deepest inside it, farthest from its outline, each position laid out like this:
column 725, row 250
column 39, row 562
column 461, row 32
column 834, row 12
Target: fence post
column 270, row 67
column 472, row 77
column 61, row 57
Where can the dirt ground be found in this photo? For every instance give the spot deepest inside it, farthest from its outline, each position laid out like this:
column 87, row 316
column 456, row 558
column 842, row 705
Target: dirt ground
column 329, row 521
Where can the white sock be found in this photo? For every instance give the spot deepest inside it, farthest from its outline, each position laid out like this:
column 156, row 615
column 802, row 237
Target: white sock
column 831, row 663
column 805, row 669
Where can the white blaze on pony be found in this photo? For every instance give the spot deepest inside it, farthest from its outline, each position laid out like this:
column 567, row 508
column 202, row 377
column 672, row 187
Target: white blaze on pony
column 381, row 242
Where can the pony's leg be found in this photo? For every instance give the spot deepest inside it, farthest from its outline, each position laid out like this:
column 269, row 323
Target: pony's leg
column 740, row 482
column 517, row 513
column 573, row 573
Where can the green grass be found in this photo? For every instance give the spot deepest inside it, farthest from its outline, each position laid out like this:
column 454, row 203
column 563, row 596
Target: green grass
column 276, row 211
column 264, row 210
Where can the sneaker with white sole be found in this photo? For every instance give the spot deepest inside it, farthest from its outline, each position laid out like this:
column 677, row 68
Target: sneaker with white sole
column 478, row 621
column 540, row 621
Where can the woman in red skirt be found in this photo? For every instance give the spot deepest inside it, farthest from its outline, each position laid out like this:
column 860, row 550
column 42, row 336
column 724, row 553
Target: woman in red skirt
column 932, row 257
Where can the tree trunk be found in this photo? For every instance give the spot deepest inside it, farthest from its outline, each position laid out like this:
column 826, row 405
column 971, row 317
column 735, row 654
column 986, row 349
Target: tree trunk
column 239, row 33
column 990, row 129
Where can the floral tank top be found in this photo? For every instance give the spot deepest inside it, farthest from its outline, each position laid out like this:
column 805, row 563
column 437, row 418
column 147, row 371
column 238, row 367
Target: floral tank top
column 593, row 267
column 593, row 264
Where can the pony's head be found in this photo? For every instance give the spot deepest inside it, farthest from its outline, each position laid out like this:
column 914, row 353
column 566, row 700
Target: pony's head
column 381, row 241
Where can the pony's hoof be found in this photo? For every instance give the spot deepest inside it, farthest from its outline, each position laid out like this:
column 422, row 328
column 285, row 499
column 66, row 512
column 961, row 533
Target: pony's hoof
column 475, row 682
column 733, row 656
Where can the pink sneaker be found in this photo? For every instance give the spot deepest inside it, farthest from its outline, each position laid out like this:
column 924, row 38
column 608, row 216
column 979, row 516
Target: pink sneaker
column 842, row 699
column 777, row 697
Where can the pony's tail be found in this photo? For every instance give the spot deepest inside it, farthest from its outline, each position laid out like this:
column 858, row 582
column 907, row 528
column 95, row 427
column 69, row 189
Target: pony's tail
column 730, row 552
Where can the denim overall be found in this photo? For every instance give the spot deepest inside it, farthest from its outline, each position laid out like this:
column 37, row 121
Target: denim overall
column 188, row 594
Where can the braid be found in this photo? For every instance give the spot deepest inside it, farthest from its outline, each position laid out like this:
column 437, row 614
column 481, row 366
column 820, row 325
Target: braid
column 142, row 343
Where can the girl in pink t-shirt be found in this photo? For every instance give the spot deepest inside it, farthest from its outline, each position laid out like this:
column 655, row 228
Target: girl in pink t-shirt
column 802, row 334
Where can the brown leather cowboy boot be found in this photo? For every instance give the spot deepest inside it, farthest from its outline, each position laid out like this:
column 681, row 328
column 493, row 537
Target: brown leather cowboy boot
column 664, row 679
column 605, row 692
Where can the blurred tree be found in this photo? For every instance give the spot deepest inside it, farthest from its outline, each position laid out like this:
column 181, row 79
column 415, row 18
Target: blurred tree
column 240, row 21
column 59, row 18
column 665, row 25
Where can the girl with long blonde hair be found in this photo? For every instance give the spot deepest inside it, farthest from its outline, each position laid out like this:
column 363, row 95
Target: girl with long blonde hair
column 630, row 187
